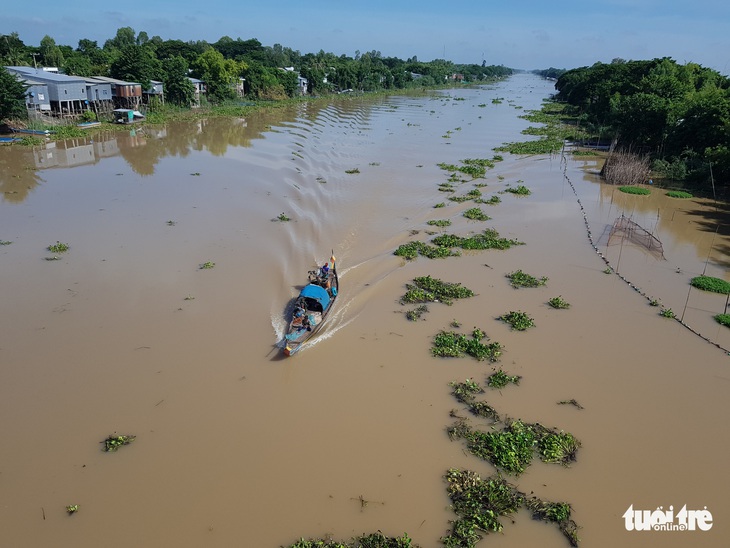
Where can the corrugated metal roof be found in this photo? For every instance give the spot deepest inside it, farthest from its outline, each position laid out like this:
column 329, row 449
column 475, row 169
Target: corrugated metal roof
column 44, row 76
column 115, row 81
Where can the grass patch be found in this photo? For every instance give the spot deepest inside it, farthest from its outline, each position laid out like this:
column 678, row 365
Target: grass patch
column 449, row 344
column 559, row 303
column 426, row 289
column 500, row 379
column 630, row 189
column 113, row 443
column 58, row 247
column 519, row 190
column 708, row 283
column 679, row 194
column 723, row 319
column 476, row 214
column 519, row 279
column 519, row 321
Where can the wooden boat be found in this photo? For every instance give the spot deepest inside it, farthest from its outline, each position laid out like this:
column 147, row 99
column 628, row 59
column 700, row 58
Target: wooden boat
column 87, row 125
column 31, row 131
column 312, row 306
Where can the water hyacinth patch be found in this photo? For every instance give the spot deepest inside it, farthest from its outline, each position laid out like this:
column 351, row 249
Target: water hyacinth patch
column 723, row 319
column 113, row 443
column 416, row 313
column 709, row 283
column 559, row 303
column 519, row 279
column 520, row 190
column 489, row 239
column 638, row 190
column 449, row 344
column 679, row 194
column 500, row 379
column 476, row 214
column 58, row 247
column 519, row 321
column 412, row 250
column 425, row 289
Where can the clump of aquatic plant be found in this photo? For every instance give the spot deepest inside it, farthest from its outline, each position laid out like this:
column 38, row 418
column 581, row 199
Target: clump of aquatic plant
column 607, row 270
column 723, row 319
column 416, row 313
column 412, row 250
column 460, row 199
column 558, row 447
column 373, row 540
column 639, row 190
column 113, row 442
column 520, row 190
column 654, row 302
column 519, row 279
column 679, row 194
column 476, row 214
column 519, row 321
column 439, row 222
column 465, row 391
column 207, row 265
column 58, row 247
column 541, row 146
column 494, row 200
column 449, row 344
column 171, row 223
column 667, row 313
column 352, row 171
column 555, row 512
column 479, row 503
column 558, row 302
column 500, row 379
column 5, row 242
column 440, row 204
column 72, row 509
column 708, row 283
column 53, row 258
column 282, row 217
column 489, row 239
column 455, row 324
column 446, row 187
column 426, row 289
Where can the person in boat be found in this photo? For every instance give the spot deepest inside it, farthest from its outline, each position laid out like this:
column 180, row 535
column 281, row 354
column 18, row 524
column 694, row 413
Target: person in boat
column 305, row 323
column 324, row 272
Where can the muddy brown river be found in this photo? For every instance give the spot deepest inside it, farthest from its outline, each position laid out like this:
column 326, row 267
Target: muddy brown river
column 238, row 446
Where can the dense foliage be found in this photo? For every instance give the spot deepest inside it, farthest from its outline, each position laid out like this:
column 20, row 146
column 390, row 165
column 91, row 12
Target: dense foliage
column 679, row 114
column 266, row 72
column 12, row 95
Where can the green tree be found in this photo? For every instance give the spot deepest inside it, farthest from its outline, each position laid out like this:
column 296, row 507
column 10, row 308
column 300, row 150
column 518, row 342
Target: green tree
column 125, row 37
column 12, row 96
column 13, row 51
column 178, row 88
column 136, row 64
column 219, row 74
column 51, row 55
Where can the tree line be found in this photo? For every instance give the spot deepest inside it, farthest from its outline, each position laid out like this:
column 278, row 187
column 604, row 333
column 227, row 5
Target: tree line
column 137, row 57
column 678, row 115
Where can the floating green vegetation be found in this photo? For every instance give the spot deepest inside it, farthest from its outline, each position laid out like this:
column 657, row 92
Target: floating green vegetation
column 171, row 223
column 679, row 194
column 496, row 101
column 520, row 190
column 476, row 214
column 460, row 199
column 412, row 250
column 630, row 189
column 480, row 185
column 373, row 540
column 550, row 145
column 455, row 324
column 196, row 174
column 449, row 344
column 58, row 247
column 555, row 512
column 654, row 302
column 439, row 222
column 519, row 279
column 519, row 321
column 352, row 171
column 559, row 303
column 446, row 187
column 708, row 283
column 585, row 153
column 113, row 443
column 440, row 204
column 476, row 168
column 500, row 379
column 723, row 319
column 513, row 448
column 53, row 258
column 607, row 270
column 283, row 218
column 489, row 239
column 72, row 509
column 5, row 242
column 374, row 163
column 667, row 313
column 207, row 265
column 416, row 313
column 426, row 289
column 465, row 391
column 479, row 504
column 494, row 200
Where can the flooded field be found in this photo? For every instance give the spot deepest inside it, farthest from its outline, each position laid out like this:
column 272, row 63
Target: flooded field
column 238, row 446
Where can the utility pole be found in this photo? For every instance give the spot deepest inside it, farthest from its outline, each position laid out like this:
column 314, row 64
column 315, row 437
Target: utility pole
column 35, row 65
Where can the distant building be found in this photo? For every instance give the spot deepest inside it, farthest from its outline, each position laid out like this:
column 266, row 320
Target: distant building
column 302, row 82
column 199, row 87
column 124, row 94
column 67, row 94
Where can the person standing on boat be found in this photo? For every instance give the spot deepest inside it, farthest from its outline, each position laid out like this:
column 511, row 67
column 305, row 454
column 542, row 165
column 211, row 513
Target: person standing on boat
column 325, row 271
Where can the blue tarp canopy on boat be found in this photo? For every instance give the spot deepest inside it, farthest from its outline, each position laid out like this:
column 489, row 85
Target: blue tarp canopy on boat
column 312, row 291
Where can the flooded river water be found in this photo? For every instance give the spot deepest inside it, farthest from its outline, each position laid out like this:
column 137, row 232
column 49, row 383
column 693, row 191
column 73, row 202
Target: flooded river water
column 237, row 446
